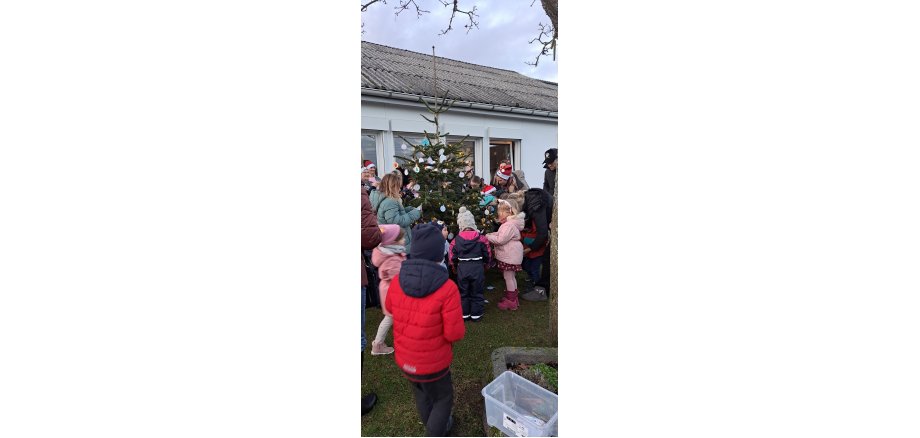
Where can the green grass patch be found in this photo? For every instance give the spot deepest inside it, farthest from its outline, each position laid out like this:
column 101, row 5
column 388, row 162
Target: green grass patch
column 395, row 413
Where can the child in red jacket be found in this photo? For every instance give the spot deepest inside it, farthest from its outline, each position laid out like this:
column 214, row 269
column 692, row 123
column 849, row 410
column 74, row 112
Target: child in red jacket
column 427, row 320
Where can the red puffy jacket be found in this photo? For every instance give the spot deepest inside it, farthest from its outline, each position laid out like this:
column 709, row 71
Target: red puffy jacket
column 427, row 319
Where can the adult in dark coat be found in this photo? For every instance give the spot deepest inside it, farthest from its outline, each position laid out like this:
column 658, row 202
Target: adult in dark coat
column 538, row 205
column 370, row 238
column 550, row 162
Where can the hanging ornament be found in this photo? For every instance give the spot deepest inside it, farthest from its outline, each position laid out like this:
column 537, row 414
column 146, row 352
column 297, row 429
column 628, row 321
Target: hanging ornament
column 430, row 161
column 441, row 152
column 417, row 170
column 461, row 174
column 416, row 187
column 443, row 158
column 404, row 146
column 488, row 212
column 445, row 170
column 443, row 208
column 407, row 171
column 425, row 142
column 450, row 236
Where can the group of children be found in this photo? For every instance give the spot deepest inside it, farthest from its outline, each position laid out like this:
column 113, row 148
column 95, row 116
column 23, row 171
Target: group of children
column 424, row 307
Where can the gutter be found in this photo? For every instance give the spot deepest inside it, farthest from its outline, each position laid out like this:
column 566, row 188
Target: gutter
column 460, row 103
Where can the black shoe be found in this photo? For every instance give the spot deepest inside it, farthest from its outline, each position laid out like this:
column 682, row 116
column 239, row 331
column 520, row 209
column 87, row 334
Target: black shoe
column 368, row 402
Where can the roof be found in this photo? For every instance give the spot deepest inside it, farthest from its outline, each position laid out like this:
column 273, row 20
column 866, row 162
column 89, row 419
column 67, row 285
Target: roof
column 397, row 70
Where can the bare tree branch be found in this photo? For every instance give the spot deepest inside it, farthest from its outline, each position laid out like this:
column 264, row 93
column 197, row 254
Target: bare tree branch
column 404, row 4
column 471, row 14
column 364, row 6
column 548, row 44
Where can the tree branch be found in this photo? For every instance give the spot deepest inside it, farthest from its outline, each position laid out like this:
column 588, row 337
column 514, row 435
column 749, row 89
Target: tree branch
column 549, row 44
column 471, row 14
column 404, row 4
column 365, row 6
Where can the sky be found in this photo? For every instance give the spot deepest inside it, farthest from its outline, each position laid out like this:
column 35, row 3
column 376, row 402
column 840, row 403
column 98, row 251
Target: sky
column 500, row 41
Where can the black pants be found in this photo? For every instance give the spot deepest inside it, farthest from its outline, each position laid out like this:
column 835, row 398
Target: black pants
column 434, row 401
column 547, row 268
column 471, row 279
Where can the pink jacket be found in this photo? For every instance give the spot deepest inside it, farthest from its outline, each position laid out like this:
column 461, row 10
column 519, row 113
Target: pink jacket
column 507, row 240
column 388, row 264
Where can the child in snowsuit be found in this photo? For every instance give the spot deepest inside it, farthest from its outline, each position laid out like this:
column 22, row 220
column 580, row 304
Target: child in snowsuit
column 469, row 252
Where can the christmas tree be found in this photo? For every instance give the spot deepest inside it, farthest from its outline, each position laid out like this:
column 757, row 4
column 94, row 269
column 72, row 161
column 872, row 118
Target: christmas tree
column 440, row 174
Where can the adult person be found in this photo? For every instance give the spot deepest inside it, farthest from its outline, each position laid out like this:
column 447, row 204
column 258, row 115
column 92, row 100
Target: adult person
column 370, row 238
column 387, row 201
column 369, row 176
column 538, row 206
column 550, row 162
column 505, row 181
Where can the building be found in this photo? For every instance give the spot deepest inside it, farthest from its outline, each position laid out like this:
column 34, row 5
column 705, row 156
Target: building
column 504, row 113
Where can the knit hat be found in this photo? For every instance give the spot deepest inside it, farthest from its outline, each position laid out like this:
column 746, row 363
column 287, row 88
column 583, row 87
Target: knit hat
column 389, row 232
column 488, row 190
column 504, row 171
column 427, row 243
column 466, row 220
column 368, row 164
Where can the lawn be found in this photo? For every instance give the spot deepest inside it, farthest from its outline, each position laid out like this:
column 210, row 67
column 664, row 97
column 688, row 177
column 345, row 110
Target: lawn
column 395, row 414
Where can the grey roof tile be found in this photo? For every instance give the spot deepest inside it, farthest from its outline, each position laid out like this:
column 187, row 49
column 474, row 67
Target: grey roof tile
column 390, row 69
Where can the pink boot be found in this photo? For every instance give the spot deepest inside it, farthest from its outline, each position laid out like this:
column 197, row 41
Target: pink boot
column 510, row 302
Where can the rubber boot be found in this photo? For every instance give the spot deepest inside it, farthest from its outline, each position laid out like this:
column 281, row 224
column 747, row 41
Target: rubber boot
column 510, row 302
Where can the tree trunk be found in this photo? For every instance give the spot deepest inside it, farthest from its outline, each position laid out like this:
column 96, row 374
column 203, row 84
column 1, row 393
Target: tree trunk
column 551, row 7
column 554, row 274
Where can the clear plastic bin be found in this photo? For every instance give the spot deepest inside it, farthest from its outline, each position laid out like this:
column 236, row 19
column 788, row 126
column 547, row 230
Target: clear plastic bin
column 519, row 407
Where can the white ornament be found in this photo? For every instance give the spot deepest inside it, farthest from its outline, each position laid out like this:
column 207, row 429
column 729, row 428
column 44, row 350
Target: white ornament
column 404, row 146
column 450, row 236
column 443, row 208
column 430, row 161
column 445, row 170
column 441, row 152
column 461, row 174
column 416, row 187
column 488, row 212
column 443, row 158
column 417, row 170
column 407, row 171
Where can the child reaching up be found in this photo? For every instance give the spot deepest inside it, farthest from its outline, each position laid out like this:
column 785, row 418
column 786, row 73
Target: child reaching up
column 388, row 258
column 508, row 251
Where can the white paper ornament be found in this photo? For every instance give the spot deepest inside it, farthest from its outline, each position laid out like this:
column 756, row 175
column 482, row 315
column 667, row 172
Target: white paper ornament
column 461, row 174
column 488, row 212
column 441, row 152
column 407, row 171
column 443, row 208
column 417, row 170
column 416, row 187
column 404, row 147
column 443, row 158
column 445, row 170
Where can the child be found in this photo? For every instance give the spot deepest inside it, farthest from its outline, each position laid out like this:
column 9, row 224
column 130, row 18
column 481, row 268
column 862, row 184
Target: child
column 388, row 258
column 469, row 253
column 508, row 250
column 371, row 169
column 427, row 320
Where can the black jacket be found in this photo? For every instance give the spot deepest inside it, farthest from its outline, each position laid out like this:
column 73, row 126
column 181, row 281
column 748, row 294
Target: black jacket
column 549, row 181
column 538, row 205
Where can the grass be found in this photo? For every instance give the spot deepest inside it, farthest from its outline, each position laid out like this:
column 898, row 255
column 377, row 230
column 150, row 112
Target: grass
column 395, row 414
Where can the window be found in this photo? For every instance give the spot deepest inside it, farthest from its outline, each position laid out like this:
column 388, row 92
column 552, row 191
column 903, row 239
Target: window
column 469, row 150
column 403, row 143
column 500, row 150
column 369, row 147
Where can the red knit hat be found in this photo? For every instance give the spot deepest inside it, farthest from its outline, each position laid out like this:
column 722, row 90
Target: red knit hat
column 488, row 190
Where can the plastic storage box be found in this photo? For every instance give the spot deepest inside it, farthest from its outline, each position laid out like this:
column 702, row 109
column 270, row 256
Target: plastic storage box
column 519, row 407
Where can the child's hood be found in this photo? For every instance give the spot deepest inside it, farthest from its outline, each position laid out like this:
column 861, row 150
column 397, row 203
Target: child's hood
column 420, row 278
column 517, row 220
column 383, row 253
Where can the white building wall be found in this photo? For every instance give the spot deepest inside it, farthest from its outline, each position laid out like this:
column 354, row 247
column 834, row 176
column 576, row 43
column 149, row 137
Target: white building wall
column 535, row 134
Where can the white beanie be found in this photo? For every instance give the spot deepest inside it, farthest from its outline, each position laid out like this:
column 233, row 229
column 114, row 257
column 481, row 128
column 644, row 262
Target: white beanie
column 466, row 220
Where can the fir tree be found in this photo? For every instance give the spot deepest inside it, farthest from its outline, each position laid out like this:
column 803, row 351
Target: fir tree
column 440, row 175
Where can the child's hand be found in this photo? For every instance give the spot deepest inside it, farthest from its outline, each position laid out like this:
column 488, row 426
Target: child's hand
column 526, row 250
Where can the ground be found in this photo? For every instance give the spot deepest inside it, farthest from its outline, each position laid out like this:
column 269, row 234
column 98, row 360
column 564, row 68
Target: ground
column 395, row 413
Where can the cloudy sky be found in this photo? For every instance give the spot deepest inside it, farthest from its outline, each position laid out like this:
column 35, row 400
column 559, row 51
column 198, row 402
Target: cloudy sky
column 501, row 41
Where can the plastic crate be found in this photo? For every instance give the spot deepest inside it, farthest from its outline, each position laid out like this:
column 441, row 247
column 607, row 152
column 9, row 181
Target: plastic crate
column 519, row 407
